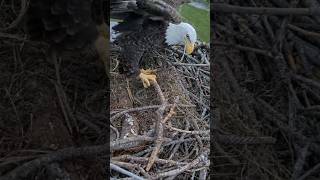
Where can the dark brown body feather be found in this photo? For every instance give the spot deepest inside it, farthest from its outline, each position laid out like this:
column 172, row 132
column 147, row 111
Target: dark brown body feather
column 64, row 24
column 143, row 28
column 136, row 43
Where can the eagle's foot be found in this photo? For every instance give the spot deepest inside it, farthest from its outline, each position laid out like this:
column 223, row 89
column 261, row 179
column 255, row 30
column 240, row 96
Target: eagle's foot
column 146, row 76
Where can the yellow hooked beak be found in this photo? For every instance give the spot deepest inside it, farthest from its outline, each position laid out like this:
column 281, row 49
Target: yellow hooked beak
column 189, row 46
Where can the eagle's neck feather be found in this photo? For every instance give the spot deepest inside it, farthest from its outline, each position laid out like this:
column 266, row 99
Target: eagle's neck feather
column 173, row 35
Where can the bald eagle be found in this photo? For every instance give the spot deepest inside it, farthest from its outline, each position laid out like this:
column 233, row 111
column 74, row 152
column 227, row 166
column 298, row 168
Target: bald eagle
column 146, row 25
column 70, row 25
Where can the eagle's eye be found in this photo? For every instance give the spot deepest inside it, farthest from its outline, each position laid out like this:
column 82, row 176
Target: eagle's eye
column 188, row 37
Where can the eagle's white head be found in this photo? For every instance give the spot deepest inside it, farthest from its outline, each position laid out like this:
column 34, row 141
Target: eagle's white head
column 181, row 34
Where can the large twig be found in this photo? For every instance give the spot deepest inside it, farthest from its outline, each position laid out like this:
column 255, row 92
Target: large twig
column 144, row 160
column 159, row 126
column 131, row 142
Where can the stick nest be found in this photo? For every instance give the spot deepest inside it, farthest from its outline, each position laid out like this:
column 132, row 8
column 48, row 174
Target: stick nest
column 174, row 111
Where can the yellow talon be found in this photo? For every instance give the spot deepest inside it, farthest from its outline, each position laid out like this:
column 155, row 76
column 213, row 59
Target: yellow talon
column 146, row 76
column 147, row 71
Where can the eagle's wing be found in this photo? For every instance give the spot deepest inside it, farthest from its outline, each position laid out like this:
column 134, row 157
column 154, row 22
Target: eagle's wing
column 135, row 12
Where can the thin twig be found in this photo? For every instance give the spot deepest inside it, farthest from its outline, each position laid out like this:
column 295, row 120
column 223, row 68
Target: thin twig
column 144, row 108
column 123, row 171
column 207, row 132
column 190, row 64
column 199, row 159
